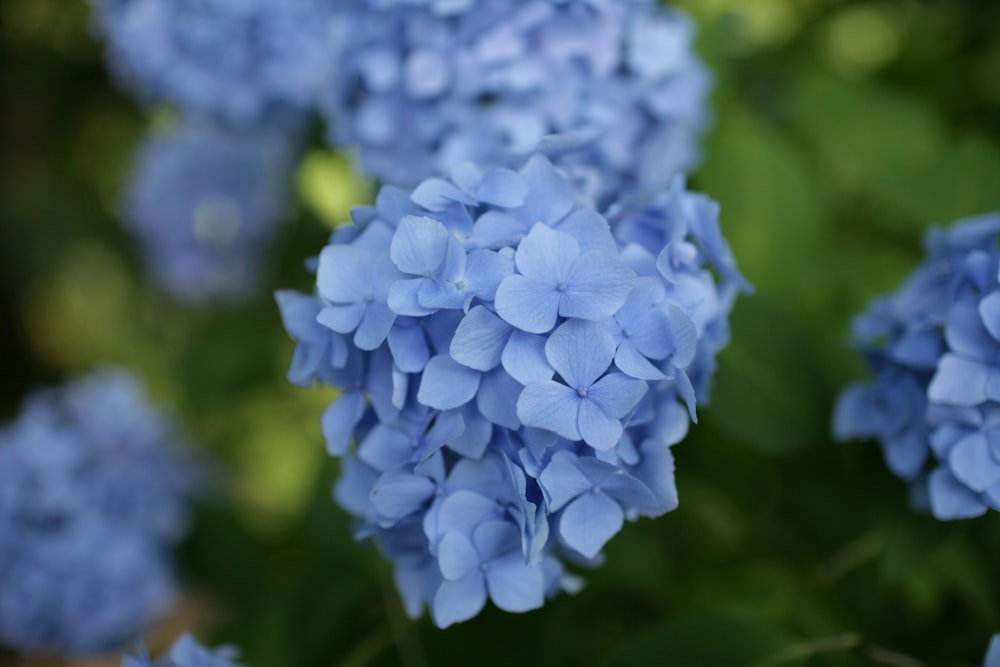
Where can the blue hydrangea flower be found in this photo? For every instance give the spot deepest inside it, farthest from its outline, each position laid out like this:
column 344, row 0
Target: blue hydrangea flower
column 204, row 203
column 423, row 86
column 517, row 368
column 186, row 652
column 238, row 62
column 92, row 499
column 934, row 403
column 993, row 653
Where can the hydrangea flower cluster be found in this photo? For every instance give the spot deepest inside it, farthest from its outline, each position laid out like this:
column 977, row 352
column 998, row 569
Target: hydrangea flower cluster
column 186, row 652
column 238, row 62
column 425, row 85
column 204, row 202
column 92, row 499
column 933, row 346
column 514, row 369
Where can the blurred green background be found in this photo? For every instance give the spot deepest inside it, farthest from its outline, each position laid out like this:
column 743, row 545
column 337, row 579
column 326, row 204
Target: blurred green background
column 842, row 130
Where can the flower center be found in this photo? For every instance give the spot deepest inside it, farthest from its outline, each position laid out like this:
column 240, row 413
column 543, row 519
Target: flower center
column 582, row 392
column 561, row 287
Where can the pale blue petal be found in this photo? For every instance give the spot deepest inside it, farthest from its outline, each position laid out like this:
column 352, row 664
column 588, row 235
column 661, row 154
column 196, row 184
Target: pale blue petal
column 436, row 194
column 457, row 601
column 972, row 463
column 514, row 586
column 597, row 428
column 562, row 480
column 546, row 254
column 495, row 228
column 551, row 197
column 965, row 332
column 591, row 230
column 528, row 304
column 589, row 522
column 685, row 337
column 344, row 274
column 374, row 327
column 385, row 447
column 456, row 556
column 476, row 475
column 462, row 511
column 656, row 471
column 597, row 286
column 419, row 245
column 950, row 499
column 342, row 319
column 958, row 382
column 497, row 398
column 398, row 493
column 408, row 345
column 631, row 362
column 502, row 187
column 993, row 653
column 446, row 384
column 616, row 483
column 524, row 358
column 485, row 270
column 480, row 339
column 496, row 539
column 989, row 311
column 551, row 406
column 339, row 420
column 580, row 352
column 404, row 298
column 617, row 393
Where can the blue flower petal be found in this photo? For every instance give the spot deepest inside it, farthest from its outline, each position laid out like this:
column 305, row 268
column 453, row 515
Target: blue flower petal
column 617, row 394
column 546, row 255
column 408, row 344
column 514, row 586
column 528, row 304
column 989, row 311
column 958, row 381
column 419, row 245
column 580, row 352
column 562, row 480
column 342, row 318
column 950, row 499
column 524, row 358
column 457, row 601
column 374, row 326
column 344, row 275
column 456, row 556
column 480, row 339
column 404, row 298
column 972, row 463
column 497, row 398
column 598, row 284
column 551, row 406
column 436, row 194
column 597, row 428
column 446, row 384
column 502, row 187
column 398, row 493
column 589, row 522
column 339, row 420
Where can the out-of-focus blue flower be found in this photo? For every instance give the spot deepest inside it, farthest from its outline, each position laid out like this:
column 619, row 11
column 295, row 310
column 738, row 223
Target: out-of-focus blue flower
column 993, row 653
column 517, row 367
column 423, row 86
column 204, row 203
column 934, row 403
column 238, row 62
column 92, row 499
column 186, row 652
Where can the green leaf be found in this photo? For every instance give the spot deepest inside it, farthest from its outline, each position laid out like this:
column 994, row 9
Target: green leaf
column 769, row 390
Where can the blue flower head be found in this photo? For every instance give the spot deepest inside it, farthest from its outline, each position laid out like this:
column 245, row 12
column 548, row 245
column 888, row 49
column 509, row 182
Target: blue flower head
column 237, row 62
column 423, row 86
column 92, row 499
column 204, row 203
column 514, row 369
column 934, row 403
column 186, row 652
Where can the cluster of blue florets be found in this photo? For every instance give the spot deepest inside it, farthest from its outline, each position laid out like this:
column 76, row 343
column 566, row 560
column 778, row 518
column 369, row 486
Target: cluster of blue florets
column 186, row 652
column 934, row 346
column 515, row 367
column 93, row 497
column 203, row 201
column 424, row 86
